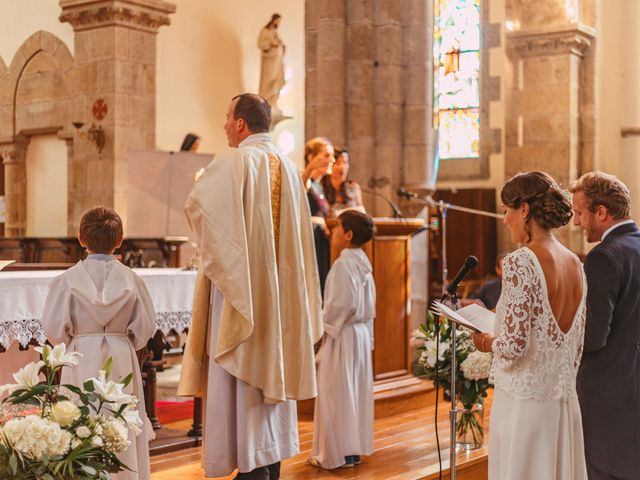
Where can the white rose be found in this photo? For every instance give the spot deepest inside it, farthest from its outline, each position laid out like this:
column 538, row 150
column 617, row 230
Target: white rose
column 83, row 432
column 477, row 366
column 97, row 441
column 116, row 437
column 75, row 443
column 65, row 413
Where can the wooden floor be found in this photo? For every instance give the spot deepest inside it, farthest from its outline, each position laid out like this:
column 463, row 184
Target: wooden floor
column 404, row 443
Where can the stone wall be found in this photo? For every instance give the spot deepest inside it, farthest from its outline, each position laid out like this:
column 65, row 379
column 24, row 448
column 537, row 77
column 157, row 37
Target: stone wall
column 109, row 85
column 368, row 86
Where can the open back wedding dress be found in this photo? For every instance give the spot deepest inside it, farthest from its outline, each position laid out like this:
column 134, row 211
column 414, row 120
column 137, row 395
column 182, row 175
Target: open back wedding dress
column 536, row 427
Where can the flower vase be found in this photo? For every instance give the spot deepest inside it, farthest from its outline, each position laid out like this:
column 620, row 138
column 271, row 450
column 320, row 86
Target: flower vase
column 470, row 427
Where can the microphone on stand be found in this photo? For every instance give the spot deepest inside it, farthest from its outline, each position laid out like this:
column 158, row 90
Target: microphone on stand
column 469, row 264
column 396, row 211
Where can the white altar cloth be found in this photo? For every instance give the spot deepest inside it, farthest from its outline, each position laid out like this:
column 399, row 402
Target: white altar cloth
column 22, row 297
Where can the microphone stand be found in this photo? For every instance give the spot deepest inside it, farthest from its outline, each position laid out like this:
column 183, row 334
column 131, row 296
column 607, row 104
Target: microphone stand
column 443, row 207
column 394, row 208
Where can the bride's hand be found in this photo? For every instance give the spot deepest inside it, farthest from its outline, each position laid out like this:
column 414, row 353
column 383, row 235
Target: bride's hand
column 483, row 341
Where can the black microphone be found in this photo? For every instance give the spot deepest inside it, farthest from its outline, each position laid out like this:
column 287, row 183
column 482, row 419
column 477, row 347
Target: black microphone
column 469, row 264
column 396, row 211
column 401, row 192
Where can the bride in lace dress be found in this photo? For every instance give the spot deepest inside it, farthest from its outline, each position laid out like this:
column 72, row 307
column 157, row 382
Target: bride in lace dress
column 536, row 428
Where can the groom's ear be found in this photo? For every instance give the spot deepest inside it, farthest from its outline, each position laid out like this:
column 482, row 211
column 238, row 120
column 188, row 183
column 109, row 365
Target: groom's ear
column 601, row 213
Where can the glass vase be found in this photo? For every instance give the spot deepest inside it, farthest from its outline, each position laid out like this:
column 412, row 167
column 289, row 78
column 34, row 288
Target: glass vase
column 470, row 427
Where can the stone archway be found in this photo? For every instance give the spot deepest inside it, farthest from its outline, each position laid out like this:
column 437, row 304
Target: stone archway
column 37, row 99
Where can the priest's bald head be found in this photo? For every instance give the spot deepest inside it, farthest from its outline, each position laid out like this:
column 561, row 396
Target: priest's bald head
column 247, row 114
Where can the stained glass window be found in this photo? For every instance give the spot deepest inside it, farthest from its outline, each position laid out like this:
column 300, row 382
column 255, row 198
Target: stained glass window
column 457, row 78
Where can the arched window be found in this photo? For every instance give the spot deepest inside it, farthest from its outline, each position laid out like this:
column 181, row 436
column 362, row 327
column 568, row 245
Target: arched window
column 456, row 85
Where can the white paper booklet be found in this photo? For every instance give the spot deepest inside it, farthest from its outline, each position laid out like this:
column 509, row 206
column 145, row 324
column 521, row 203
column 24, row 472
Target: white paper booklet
column 4, row 263
column 473, row 316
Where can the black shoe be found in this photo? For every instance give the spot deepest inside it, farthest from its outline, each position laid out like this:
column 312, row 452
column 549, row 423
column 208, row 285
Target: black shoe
column 348, row 462
column 260, row 473
column 356, row 460
column 274, row 471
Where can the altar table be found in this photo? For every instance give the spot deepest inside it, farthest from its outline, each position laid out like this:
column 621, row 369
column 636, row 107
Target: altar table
column 22, row 297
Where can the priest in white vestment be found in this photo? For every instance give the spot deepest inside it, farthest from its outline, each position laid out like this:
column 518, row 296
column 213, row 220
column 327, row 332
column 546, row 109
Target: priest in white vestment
column 257, row 305
column 343, row 414
column 101, row 308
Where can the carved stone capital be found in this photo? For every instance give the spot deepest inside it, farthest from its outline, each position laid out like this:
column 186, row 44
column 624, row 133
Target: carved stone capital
column 572, row 39
column 13, row 153
column 145, row 15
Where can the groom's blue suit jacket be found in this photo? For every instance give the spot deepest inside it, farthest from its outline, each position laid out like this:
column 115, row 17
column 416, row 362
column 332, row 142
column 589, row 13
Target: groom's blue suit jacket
column 609, row 376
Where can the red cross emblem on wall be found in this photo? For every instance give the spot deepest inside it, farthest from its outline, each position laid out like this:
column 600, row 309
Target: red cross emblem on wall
column 100, row 109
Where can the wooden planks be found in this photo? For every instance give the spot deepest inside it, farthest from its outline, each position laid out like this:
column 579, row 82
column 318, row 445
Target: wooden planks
column 404, row 443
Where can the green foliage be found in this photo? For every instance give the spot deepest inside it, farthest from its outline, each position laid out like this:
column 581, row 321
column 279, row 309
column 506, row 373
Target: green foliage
column 468, row 392
column 85, row 461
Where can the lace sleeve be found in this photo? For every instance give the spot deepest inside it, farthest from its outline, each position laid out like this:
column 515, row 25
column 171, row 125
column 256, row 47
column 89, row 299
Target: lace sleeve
column 513, row 339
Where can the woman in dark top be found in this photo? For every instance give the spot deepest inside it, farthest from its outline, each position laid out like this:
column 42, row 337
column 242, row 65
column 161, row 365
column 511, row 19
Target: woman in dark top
column 339, row 190
column 318, row 159
column 190, row 143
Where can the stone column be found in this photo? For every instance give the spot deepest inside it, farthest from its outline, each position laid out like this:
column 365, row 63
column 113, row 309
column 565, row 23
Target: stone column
column 328, row 99
column 361, row 56
column 543, row 106
column 15, row 186
column 115, row 65
column 360, row 64
column 388, row 100
column 630, row 132
column 419, row 134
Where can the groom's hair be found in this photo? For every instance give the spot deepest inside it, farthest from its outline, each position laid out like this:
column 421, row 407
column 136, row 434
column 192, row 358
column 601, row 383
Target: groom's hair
column 604, row 189
column 101, row 230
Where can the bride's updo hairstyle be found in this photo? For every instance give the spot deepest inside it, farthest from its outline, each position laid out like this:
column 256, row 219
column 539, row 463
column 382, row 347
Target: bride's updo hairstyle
column 549, row 205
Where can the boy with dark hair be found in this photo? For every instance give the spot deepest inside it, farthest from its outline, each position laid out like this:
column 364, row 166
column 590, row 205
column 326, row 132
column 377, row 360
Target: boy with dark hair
column 343, row 417
column 101, row 308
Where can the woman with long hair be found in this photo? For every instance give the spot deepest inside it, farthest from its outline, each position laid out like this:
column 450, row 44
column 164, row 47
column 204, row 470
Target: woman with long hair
column 319, row 160
column 341, row 192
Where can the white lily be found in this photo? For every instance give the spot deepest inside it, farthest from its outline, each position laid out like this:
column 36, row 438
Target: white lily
column 27, row 377
column 132, row 419
column 111, row 391
column 58, row 356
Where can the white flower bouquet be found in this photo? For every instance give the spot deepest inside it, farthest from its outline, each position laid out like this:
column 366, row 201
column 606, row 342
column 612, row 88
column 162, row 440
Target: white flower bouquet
column 472, row 372
column 56, row 432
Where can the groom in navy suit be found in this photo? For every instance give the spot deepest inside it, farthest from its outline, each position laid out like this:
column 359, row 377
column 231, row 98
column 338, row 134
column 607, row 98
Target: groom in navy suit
column 608, row 381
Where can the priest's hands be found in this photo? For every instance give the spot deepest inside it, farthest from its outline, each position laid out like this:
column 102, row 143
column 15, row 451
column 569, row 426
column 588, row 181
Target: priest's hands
column 483, row 341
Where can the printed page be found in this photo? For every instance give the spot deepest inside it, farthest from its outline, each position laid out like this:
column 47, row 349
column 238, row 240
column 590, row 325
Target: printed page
column 473, row 316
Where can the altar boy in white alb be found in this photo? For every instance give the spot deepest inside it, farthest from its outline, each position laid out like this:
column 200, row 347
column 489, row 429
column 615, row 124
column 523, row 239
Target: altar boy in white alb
column 101, row 308
column 343, row 417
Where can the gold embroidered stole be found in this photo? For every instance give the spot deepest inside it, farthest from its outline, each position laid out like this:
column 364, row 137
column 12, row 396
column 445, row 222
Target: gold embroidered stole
column 275, row 172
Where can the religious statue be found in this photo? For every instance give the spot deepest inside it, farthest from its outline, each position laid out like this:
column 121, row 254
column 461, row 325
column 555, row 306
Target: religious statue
column 272, row 67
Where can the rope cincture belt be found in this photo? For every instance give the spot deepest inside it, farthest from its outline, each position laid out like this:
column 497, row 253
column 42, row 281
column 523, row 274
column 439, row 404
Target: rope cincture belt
column 102, row 334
